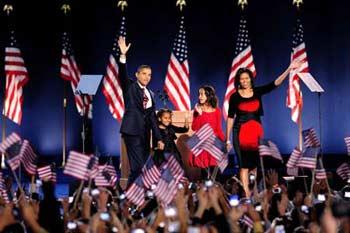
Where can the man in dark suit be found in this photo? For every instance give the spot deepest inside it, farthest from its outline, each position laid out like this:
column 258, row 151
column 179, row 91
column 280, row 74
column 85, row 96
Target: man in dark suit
column 139, row 117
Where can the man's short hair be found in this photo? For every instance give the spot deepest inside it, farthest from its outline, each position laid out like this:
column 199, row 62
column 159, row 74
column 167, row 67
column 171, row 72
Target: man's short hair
column 141, row 67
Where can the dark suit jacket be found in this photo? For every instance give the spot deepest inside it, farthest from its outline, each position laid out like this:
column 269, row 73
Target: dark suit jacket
column 136, row 120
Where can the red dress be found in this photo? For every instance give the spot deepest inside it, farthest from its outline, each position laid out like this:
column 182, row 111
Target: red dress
column 205, row 159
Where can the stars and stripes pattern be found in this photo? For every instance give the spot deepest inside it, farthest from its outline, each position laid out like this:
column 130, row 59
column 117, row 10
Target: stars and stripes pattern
column 78, row 165
column 310, row 138
column 177, row 80
column 309, row 158
column 294, row 95
column 106, row 177
column 243, row 58
column 136, row 192
column 174, row 166
column 16, row 78
column 268, row 148
column 347, row 143
column 166, row 188
column 205, row 139
column 344, row 171
column 47, row 173
column 111, row 85
column 150, row 173
column 291, row 165
column 3, row 189
column 320, row 171
column 28, row 158
column 71, row 72
column 11, row 146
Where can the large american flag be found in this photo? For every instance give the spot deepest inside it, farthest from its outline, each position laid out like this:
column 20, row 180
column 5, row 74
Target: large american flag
column 243, row 58
column 16, row 77
column 308, row 158
column 177, row 80
column 136, row 192
column 344, row 171
column 310, row 138
column 294, row 95
column 111, row 85
column 70, row 72
column 268, row 148
column 150, row 173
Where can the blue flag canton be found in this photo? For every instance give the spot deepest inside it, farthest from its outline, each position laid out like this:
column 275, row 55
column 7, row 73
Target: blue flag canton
column 121, row 32
column 298, row 34
column 12, row 42
column 14, row 149
column 139, row 181
column 311, row 152
column 180, row 45
column 149, row 163
column 66, row 43
column 243, row 36
column 167, row 176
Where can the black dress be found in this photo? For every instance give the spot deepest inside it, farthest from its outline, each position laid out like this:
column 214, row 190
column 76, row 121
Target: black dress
column 247, row 128
column 168, row 136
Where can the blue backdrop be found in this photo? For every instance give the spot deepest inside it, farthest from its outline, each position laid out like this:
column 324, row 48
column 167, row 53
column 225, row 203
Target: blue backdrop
column 211, row 30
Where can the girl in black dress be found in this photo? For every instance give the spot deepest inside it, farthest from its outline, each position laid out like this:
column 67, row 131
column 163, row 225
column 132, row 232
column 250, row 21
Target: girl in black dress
column 168, row 132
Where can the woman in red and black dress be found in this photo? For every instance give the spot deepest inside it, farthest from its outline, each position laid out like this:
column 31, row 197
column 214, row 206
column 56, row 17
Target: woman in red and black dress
column 245, row 110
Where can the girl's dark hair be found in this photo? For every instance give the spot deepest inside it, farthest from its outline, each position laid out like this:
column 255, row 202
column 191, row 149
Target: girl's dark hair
column 238, row 76
column 162, row 111
column 212, row 99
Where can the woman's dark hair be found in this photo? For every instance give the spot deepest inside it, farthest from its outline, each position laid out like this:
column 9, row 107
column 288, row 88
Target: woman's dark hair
column 238, row 76
column 212, row 99
column 162, row 111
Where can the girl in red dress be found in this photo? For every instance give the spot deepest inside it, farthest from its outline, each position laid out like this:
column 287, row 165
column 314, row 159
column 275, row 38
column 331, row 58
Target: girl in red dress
column 206, row 111
column 245, row 110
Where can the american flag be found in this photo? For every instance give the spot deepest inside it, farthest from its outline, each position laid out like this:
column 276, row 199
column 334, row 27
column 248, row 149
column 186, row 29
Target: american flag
column 344, row 171
column 28, row 158
column 166, row 188
column 310, row 138
column 111, row 85
column 150, row 173
column 292, row 168
column 268, row 148
column 177, row 80
column 320, row 172
column 11, row 146
column 308, row 158
column 3, row 189
column 70, row 72
column 294, row 96
column 107, row 176
column 16, row 77
column 205, row 139
column 347, row 143
column 47, row 173
column 136, row 192
column 243, row 58
column 78, row 165
column 174, row 166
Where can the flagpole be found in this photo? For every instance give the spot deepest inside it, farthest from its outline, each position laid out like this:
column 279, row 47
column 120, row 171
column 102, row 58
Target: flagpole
column 301, row 148
column 64, row 136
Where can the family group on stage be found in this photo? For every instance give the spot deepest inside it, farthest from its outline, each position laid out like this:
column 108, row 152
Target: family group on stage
column 140, row 120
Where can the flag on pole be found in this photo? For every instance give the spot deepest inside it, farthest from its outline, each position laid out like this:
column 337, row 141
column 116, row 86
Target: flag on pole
column 243, row 58
column 292, row 168
column 11, row 146
column 111, row 87
column 294, row 95
column 320, row 172
column 71, row 72
column 177, row 80
column 310, row 138
column 47, row 173
column 16, row 78
column 308, row 158
column 106, row 177
column 136, row 192
column 78, row 165
column 166, row 187
column 150, row 173
column 3, row 189
column 344, row 171
column 28, row 158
